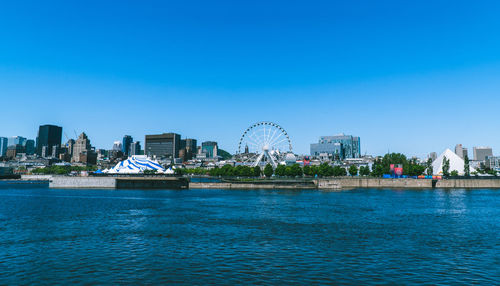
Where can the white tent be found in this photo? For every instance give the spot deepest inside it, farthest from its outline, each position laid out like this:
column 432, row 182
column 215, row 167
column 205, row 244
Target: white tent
column 456, row 163
column 136, row 165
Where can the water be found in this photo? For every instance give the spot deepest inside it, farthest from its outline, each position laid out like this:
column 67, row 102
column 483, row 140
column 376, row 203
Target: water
column 248, row 237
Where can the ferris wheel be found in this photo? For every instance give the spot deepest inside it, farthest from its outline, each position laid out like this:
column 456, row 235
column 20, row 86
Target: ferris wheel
column 264, row 142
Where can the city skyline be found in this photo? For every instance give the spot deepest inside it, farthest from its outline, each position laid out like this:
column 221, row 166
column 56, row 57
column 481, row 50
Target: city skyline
column 208, row 71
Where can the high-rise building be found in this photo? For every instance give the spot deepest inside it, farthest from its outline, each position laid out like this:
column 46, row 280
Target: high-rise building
column 4, row 142
column 480, row 153
column 48, row 135
column 135, row 148
column 29, row 147
column 433, row 156
column 188, row 149
column 117, row 146
column 82, row 144
column 127, row 140
column 343, row 146
column 16, row 140
column 163, row 145
column 210, row 148
column 461, row 151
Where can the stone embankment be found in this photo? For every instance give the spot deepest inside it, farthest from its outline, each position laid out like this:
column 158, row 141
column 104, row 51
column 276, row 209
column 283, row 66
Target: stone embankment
column 333, row 183
column 67, row 182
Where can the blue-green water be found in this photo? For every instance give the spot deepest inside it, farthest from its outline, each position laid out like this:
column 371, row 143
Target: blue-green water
column 361, row 236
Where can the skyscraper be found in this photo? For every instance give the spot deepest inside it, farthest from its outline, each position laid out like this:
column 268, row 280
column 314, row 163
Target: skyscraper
column 210, row 148
column 49, row 136
column 135, row 148
column 460, row 151
column 16, row 140
column 127, row 140
column 163, row 145
column 29, row 147
column 3, row 146
column 480, row 153
column 82, row 144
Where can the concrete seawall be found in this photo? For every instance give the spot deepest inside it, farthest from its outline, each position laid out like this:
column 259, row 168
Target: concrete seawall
column 469, row 184
column 348, row 183
column 333, row 183
column 65, row 182
column 236, row 186
column 82, row 183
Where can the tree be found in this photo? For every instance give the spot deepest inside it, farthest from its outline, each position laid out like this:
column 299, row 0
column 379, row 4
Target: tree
column 256, row 171
column 325, row 170
column 466, row 166
column 339, row 171
column 353, row 170
column 296, row 170
column 268, row 170
column 446, row 167
column 307, row 170
column 280, row 170
column 430, row 169
column 454, row 173
column 364, row 171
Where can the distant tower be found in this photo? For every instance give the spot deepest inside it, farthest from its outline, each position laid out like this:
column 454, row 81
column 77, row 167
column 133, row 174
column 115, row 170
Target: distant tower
column 246, row 149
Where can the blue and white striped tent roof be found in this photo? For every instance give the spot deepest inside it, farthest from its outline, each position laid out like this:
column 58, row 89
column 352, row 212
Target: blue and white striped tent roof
column 135, row 165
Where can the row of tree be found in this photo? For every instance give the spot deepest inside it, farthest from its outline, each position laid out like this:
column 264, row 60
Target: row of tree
column 62, row 170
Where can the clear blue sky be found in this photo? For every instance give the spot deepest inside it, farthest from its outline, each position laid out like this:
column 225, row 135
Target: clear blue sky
column 406, row 76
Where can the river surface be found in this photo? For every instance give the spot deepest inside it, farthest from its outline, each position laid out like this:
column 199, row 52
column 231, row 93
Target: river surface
column 363, row 236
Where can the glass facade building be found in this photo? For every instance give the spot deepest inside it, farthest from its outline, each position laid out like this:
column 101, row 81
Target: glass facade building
column 163, row 145
column 343, row 146
column 127, row 141
column 48, row 136
column 4, row 142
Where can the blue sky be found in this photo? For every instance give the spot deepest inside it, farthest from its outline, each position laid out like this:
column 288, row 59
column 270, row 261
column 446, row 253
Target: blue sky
column 405, row 76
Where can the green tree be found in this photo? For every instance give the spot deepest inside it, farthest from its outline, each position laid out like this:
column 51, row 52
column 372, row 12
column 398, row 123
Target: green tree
column 307, row 170
column 339, row 171
column 454, row 173
column 364, row 171
column 446, row 167
column 325, row 170
column 280, row 170
column 256, row 171
column 353, row 170
column 430, row 169
column 296, row 170
column 466, row 166
column 268, row 170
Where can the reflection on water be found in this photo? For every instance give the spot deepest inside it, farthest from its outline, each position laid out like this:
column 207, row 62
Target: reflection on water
column 248, row 236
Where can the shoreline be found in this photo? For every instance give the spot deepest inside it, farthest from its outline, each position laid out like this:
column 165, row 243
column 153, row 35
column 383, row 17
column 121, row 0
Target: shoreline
column 340, row 183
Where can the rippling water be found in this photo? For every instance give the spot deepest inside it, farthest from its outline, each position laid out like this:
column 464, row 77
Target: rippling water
column 248, row 237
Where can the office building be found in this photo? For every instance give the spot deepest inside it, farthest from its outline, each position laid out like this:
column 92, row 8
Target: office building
column 49, row 136
column 135, row 148
column 210, row 148
column 188, row 149
column 82, row 144
column 433, row 156
column 29, row 147
column 166, row 145
column 16, row 140
column 14, row 150
column 480, row 153
column 492, row 162
column 127, row 140
column 117, row 146
column 341, row 146
column 4, row 142
column 461, row 151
